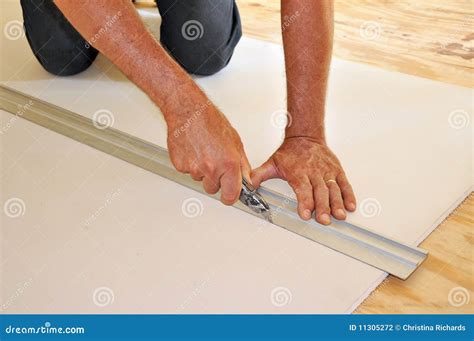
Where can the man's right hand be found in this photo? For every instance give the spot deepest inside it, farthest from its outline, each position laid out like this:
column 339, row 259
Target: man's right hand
column 200, row 139
column 204, row 144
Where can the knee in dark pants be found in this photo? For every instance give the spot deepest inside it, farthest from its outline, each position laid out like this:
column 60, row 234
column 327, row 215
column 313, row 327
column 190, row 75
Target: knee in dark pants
column 203, row 60
column 59, row 48
column 65, row 62
column 200, row 35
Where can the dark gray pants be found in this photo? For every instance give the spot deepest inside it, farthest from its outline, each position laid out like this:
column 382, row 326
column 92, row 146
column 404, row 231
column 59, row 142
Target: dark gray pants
column 200, row 35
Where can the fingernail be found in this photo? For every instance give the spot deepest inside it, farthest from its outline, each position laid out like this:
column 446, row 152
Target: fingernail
column 341, row 213
column 325, row 218
column 306, row 214
column 351, row 206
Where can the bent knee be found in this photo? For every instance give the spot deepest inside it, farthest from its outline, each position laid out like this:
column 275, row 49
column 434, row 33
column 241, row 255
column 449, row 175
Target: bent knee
column 59, row 48
column 66, row 62
column 201, row 37
column 203, row 60
column 199, row 51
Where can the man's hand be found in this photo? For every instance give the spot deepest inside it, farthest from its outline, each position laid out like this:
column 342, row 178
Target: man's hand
column 200, row 139
column 304, row 159
column 207, row 147
column 316, row 176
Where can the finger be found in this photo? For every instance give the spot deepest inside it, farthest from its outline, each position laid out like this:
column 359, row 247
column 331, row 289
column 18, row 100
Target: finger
column 321, row 201
column 263, row 173
column 304, row 194
column 231, row 185
column 178, row 163
column 245, row 167
column 347, row 192
column 210, row 185
column 335, row 200
column 197, row 176
column 196, row 173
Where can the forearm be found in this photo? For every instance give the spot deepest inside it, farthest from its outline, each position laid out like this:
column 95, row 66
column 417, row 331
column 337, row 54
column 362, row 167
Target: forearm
column 307, row 37
column 115, row 29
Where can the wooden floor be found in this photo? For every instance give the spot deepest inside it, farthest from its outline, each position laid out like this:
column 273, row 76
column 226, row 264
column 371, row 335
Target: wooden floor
column 426, row 40
column 448, row 269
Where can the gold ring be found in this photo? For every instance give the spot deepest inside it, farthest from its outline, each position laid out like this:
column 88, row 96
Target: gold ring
column 331, row 180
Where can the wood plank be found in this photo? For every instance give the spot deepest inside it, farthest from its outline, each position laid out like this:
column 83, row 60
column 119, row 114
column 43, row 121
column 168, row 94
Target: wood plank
column 445, row 279
column 420, row 38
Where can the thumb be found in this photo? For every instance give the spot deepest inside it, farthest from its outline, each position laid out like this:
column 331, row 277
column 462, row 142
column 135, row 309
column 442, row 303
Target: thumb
column 264, row 172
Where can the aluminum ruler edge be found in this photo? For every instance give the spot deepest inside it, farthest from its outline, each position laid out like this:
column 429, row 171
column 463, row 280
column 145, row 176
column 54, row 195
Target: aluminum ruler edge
column 360, row 243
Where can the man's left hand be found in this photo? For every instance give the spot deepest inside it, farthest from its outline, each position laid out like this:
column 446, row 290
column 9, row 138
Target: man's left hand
column 316, row 176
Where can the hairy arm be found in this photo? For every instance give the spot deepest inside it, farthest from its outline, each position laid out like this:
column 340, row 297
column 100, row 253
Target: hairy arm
column 304, row 159
column 114, row 28
column 308, row 36
column 209, row 150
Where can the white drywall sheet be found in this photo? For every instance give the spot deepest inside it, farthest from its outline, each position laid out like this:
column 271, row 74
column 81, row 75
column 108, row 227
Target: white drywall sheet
column 93, row 224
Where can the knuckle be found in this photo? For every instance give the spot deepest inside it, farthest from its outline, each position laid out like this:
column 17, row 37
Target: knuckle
column 230, row 163
column 209, row 166
column 194, row 169
column 329, row 175
column 304, row 195
column 322, row 191
column 336, row 202
column 299, row 173
column 322, row 206
column 346, row 188
column 299, row 184
column 324, row 209
column 295, row 184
